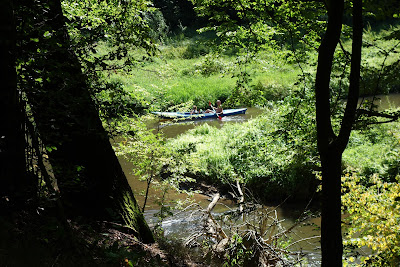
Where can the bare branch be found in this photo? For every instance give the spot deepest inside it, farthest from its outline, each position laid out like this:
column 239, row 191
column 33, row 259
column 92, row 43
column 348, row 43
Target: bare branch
column 371, row 113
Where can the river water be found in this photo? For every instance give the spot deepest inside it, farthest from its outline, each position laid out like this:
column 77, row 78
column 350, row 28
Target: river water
column 384, row 101
column 183, row 224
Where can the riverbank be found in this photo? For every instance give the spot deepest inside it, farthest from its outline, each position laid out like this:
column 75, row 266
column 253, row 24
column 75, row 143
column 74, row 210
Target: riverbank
column 40, row 239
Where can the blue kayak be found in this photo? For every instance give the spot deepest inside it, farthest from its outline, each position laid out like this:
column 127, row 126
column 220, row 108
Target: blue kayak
column 188, row 116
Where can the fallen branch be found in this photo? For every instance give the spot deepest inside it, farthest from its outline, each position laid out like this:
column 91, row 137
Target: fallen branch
column 241, row 198
column 371, row 113
column 211, row 223
column 304, row 239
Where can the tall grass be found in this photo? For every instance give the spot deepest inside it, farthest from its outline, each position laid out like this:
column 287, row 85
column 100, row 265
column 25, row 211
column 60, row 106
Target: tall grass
column 380, row 60
column 190, row 70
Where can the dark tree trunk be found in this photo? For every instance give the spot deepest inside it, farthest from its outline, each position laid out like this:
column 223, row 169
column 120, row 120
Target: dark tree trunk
column 12, row 149
column 331, row 235
column 87, row 170
column 330, row 146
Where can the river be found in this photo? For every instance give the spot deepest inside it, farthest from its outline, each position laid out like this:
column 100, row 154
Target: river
column 181, row 224
column 384, row 101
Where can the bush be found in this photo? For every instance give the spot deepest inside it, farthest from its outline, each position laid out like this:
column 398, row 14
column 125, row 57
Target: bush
column 116, row 101
column 371, row 195
column 374, row 150
column 195, row 50
column 210, row 65
column 373, row 220
column 157, row 24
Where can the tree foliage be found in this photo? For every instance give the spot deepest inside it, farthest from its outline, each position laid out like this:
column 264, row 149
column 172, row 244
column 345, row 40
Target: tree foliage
column 372, row 220
column 122, row 26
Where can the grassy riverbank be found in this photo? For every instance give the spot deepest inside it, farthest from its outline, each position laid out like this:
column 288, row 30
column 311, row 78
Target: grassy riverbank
column 186, row 72
column 261, row 153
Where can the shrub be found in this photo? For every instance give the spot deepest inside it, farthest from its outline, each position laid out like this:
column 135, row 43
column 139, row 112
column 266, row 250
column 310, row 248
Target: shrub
column 210, row 65
column 195, row 50
column 373, row 220
column 116, row 101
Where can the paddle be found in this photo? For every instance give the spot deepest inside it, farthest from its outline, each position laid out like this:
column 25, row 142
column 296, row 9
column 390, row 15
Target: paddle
column 219, row 116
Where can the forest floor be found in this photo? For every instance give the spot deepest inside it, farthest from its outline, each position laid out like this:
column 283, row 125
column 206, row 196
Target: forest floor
column 34, row 238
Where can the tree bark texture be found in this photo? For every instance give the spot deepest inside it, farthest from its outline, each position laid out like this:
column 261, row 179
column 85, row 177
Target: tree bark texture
column 88, row 173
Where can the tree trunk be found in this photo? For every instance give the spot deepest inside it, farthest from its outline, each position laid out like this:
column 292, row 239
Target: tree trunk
column 331, row 236
column 90, row 178
column 12, row 149
column 330, row 146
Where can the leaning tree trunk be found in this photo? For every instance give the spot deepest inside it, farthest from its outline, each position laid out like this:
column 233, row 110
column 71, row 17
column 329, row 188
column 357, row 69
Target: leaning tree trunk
column 87, row 170
column 330, row 146
column 12, row 157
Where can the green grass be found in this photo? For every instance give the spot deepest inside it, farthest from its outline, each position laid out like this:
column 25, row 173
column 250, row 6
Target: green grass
column 375, row 150
column 177, row 76
column 380, row 61
column 188, row 70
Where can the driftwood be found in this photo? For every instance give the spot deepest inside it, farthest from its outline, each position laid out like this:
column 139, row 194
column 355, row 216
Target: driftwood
column 259, row 229
column 241, row 196
column 211, row 227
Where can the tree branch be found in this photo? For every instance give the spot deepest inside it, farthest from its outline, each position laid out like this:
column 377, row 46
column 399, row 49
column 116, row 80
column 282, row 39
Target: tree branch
column 354, row 87
column 372, row 113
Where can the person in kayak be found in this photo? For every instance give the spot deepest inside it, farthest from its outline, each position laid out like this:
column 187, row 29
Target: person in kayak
column 194, row 111
column 217, row 109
